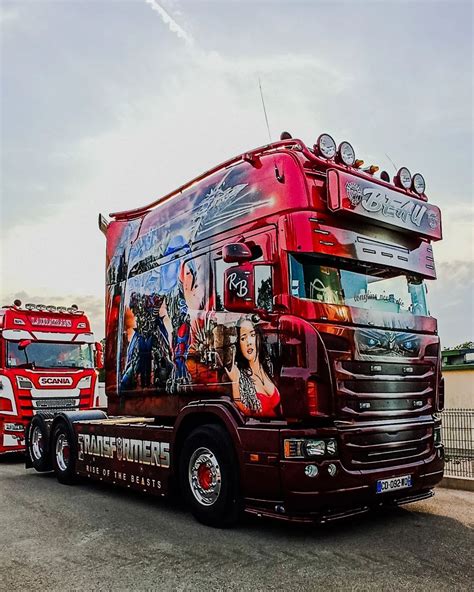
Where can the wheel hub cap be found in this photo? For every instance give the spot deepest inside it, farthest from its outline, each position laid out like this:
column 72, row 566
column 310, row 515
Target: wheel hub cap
column 204, row 476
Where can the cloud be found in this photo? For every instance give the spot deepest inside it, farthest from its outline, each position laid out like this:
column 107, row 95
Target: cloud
column 171, row 23
column 450, row 301
column 9, row 15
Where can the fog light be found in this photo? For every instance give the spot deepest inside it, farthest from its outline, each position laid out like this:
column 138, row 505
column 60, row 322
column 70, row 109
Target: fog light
column 332, row 469
column 14, row 427
column 331, row 447
column 311, row 470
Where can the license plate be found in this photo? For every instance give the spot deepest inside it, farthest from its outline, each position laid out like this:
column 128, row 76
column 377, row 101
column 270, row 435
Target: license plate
column 393, row 484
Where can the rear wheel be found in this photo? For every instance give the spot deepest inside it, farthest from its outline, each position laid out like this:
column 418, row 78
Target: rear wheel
column 209, row 476
column 64, row 454
column 38, row 444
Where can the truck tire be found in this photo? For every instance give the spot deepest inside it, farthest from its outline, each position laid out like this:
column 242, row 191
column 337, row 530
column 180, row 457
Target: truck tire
column 38, row 444
column 64, row 453
column 209, row 477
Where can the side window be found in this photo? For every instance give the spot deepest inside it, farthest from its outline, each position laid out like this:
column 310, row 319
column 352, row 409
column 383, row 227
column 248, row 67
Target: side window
column 263, row 287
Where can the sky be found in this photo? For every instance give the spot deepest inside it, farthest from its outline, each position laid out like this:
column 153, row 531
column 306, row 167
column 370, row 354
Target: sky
column 109, row 104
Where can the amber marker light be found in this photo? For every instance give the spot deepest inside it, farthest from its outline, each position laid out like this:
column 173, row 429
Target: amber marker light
column 358, row 163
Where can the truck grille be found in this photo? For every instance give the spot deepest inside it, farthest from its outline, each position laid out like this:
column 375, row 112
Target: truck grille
column 56, row 404
column 372, row 390
column 381, row 447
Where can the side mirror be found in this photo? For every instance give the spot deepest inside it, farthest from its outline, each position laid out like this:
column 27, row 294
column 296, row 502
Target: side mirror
column 239, row 288
column 24, row 343
column 99, row 356
column 236, row 253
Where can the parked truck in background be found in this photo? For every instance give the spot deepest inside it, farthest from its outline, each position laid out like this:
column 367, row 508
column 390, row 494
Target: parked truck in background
column 269, row 346
column 47, row 363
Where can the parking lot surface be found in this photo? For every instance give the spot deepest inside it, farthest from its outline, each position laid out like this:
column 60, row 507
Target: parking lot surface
column 94, row 537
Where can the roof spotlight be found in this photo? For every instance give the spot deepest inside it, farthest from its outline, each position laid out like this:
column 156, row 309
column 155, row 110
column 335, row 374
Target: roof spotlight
column 403, row 178
column 346, row 153
column 326, row 146
column 285, row 136
column 418, row 183
column 17, row 303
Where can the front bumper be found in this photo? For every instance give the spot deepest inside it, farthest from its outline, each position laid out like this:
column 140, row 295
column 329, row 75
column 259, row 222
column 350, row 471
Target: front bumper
column 310, row 490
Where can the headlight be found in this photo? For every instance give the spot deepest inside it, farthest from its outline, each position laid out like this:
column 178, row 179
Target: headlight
column 437, row 436
column 331, row 447
column 326, row 146
column 404, row 178
column 346, row 153
column 418, row 184
column 85, row 382
column 315, row 447
column 24, row 383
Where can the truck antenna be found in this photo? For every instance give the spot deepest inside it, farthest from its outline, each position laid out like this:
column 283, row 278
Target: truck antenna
column 280, row 176
column 264, row 109
column 394, row 165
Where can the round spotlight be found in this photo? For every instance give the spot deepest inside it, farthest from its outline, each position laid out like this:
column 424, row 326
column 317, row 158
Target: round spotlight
column 311, row 470
column 418, row 183
column 17, row 303
column 326, row 146
column 285, row 136
column 404, row 178
column 346, row 153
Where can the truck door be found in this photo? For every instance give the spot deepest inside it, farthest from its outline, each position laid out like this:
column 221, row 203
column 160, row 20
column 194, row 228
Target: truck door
column 245, row 343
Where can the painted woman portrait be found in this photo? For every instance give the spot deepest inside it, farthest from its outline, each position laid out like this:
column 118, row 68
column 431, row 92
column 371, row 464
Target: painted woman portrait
column 253, row 390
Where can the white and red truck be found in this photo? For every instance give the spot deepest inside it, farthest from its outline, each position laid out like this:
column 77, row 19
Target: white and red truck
column 48, row 363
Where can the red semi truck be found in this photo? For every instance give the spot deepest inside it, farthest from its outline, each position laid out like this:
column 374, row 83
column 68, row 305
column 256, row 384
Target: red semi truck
column 46, row 364
column 269, row 348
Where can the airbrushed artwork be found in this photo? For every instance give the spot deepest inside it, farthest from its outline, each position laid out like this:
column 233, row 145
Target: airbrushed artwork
column 171, row 336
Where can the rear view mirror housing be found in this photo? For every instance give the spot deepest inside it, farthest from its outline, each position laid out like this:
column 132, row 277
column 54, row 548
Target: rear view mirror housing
column 236, row 253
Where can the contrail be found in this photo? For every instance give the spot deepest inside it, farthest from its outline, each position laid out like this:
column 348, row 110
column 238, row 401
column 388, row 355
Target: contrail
column 172, row 24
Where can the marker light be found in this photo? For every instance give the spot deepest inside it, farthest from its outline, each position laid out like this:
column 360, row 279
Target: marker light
column 326, row 146
column 358, row 163
column 346, row 153
column 372, row 169
column 418, row 183
column 403, row 178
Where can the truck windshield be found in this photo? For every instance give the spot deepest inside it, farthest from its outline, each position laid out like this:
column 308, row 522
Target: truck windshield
column 40, row 354
column 352, row 283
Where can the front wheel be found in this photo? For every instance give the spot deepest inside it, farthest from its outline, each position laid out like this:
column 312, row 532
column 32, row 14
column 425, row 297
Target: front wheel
column 64, row 454
column 209, row 476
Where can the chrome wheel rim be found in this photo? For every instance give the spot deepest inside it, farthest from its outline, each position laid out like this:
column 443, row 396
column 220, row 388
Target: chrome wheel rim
column 37, row 447
column 204, row 476
column 62, row 452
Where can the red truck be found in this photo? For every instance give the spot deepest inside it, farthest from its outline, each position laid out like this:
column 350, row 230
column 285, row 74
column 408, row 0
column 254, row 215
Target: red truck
column 46, row 364
column 269, row 347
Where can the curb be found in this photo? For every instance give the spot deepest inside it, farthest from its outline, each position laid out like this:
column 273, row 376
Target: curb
column 457, row 483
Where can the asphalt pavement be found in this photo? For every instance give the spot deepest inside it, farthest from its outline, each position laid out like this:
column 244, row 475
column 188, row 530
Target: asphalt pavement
column 95, row 537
